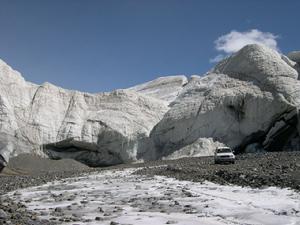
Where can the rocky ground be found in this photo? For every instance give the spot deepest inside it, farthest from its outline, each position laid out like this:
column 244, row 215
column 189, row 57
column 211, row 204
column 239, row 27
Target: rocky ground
column 117, row 196
column 281, row 169
column 30, row 170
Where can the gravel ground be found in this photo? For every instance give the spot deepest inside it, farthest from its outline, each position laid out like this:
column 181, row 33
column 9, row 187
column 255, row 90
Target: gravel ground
column 281, row 169
column 33, row 164
column 30, row 170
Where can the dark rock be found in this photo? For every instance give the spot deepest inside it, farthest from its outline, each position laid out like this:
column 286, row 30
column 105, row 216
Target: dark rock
column 58, row 209
column 171, row 222
column 114, row 223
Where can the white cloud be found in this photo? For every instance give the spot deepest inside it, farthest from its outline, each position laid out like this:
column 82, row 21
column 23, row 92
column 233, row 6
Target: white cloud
column 234, row 41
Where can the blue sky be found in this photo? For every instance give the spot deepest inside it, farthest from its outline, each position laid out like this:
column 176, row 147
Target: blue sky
column 96, row 45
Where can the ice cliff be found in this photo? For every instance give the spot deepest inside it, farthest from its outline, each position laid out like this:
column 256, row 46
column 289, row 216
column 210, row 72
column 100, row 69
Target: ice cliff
column 249, row 101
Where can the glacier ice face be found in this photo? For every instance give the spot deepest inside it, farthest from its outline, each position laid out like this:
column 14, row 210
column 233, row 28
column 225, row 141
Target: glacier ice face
column 251, row 98
column 164, row 88
column 239, row 103
column 98, row 129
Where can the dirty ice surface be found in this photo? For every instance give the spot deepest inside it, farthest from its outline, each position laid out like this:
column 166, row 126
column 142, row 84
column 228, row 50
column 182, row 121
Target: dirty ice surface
column 120, row 197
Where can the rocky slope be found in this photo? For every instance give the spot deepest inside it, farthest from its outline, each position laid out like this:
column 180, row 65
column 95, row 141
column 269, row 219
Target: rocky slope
column 249, row 101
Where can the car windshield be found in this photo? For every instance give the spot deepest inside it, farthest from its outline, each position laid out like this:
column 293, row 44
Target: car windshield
column 224, row 150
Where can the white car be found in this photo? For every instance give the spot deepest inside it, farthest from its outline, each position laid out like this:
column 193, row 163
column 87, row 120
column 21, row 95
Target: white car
column 224, row 155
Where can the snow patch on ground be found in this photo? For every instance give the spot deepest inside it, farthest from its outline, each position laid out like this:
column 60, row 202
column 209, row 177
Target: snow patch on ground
column 125, row 198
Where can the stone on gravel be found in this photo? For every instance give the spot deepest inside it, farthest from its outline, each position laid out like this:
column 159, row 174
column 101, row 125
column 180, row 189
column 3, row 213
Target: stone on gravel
column 171, row 222
column 114, row 223
column 98, row 218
